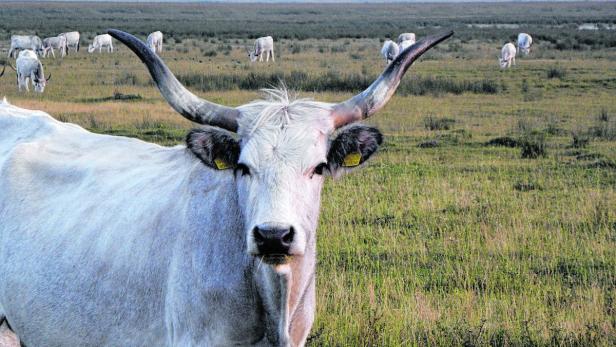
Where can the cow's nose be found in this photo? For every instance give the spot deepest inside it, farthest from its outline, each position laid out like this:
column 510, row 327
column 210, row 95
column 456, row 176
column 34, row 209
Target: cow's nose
column 273, row 238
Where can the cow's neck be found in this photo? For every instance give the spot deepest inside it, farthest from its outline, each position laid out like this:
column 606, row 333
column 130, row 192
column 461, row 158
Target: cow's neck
column 287, row 295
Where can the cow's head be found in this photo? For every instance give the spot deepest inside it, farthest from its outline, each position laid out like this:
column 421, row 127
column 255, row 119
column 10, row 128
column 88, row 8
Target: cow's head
column 40, row 81
column 280, row 149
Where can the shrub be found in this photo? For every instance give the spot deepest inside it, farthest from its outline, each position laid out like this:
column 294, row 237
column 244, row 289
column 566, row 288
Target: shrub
column 580, row 140
column 504, row 141
column 533, row 145
column 434, row 123
column 556, row 72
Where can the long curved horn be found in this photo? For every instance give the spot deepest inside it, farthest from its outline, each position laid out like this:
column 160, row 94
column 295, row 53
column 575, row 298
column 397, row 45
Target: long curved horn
column 181, row 99
column 372, row 99
column 12, row 67
column 2, row 73
column 48, row 77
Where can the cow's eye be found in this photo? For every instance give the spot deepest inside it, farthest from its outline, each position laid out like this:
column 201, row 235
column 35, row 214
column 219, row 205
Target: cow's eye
column 318, row 170
column 242, row 168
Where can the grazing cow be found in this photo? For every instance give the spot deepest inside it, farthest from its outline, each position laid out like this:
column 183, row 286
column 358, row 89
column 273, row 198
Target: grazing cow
column 30, row 68
column 155, row 41
column 405, row 44
column 21, row 42
column 406, row 37
column 112, row 241
column 72, row 40
column 390, row 51
column 58, row 42
column 99, row 42
column 507, row 56
column 263, row 46
column 524, row 43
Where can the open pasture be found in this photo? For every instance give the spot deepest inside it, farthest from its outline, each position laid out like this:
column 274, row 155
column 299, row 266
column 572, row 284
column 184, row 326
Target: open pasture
column 489, row 216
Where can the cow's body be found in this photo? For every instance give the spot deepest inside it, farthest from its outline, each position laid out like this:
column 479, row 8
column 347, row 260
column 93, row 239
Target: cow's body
column 263, row 46
column 524, row 43
column 507, row 57
column 57, row 42
column 390, row 51
column 72, row 40
column 155, row 41
column 22, row 42
column 101, row 41
column 165, row 267
column 406, row 37
column 30, row 69
column 111, row 241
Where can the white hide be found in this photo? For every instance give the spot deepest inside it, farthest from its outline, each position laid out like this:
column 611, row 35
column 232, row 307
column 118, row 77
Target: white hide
column 72, row 40
column 525, row 41
column 155, row 41
column 507, row 55
column 99, row 42
column 263, row 46
column 160, row 238
column 30, row 69
column 406, row 37
column 21, row 42
column 390, row 51
column 57, row 42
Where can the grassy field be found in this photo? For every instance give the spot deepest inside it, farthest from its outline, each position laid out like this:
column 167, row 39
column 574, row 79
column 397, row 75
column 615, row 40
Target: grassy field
column 489, row 216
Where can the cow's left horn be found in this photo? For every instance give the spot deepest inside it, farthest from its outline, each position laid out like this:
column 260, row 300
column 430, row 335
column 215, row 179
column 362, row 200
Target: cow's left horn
column 371, row 100
column 181, row 99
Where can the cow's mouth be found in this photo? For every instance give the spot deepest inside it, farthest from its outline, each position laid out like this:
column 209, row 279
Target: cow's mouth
column 275, row 259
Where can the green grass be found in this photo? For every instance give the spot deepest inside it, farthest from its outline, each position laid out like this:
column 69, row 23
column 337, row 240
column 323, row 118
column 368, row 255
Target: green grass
column 462, row 244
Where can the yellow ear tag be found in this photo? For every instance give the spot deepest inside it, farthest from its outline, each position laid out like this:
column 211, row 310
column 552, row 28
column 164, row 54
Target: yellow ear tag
column 352, row 159
column 221, row 164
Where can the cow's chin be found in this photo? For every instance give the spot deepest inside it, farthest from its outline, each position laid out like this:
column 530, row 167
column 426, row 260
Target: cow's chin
column 275, row 259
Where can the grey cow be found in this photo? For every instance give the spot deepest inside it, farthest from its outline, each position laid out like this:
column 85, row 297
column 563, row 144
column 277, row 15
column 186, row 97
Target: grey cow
column 112, row 241
column 21, row 42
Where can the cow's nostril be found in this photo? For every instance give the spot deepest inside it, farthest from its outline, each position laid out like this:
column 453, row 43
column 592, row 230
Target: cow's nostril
column 287, row 237
column 258, row 235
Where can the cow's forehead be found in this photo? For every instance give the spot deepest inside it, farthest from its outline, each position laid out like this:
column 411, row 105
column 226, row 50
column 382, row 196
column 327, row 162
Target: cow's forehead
column 279, row 130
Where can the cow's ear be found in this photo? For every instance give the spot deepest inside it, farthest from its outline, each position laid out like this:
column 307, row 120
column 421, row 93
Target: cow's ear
column 353, row 145
column 214, row 146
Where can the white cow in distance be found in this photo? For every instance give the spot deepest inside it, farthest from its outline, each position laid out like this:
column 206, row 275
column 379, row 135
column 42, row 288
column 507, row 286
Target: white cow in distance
column 263, row 46
column 390, row 51
column 155, row 41
column 525, row 41
column 405, row 44
column 22, row 42
column 72, row 40
column 507, row 56
column 406, row 37
column 57, row 42
column 29, row 68
column 101, row 41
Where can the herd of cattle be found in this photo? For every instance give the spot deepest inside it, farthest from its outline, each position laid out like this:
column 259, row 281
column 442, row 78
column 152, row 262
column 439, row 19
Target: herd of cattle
column 29, row 68
column 391, row 49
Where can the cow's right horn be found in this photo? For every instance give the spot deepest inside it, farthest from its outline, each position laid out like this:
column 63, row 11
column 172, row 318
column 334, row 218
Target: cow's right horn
column 181, row 99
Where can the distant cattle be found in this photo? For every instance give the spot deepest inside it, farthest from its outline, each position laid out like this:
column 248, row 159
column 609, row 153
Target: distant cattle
column 263, row 46
column 72, row 40
column 99, row 42
column 390, row 51
column 57, row 42
column 155, row 41
column 524, row 43
column 21, row 42
column 29, row 68
column 507, row 56
column 406, row 37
